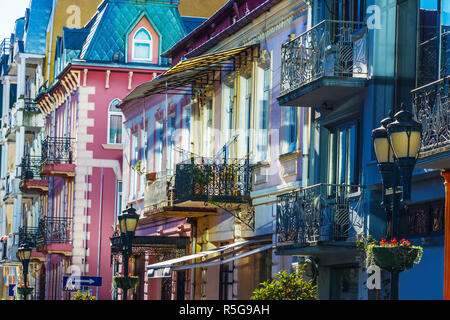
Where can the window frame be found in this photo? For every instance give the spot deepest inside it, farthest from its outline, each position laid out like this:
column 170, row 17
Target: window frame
column 146, row 42
column 114, row 113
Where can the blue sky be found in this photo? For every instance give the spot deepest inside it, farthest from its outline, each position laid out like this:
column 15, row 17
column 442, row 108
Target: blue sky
column 10, row 10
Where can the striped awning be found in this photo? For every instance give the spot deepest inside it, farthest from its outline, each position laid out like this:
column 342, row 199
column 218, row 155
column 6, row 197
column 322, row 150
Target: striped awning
column 193, row 73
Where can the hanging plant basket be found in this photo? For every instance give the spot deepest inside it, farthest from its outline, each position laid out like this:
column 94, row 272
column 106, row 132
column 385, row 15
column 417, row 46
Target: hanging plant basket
column 24, row 292
column 123, row 283
column 394, row 258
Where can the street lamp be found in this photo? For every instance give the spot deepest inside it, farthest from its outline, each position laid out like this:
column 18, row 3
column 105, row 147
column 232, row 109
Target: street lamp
column 24, row 254
column 128, row 221
column 396, row 143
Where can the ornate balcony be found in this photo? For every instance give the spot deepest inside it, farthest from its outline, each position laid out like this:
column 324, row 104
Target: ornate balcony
column 201, row 181
column 54, row 235
column 57, row 157
column 32, row 181
column 28, row 115
column 28, row 236
column 160, row 200
column 325, row 65
column 432, row 107
column 319, row 220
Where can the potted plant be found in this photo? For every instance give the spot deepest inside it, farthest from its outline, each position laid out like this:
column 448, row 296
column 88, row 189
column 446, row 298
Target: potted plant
column 125, row 283
column 23, row 291
column 202, row 176
column 83, row 296
column 392, row 255
column 287, row 287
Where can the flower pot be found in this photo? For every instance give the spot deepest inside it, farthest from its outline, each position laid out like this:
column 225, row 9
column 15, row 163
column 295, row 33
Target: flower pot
column 126, row 282
column 151, row 176
column 398, row 258
column 23, row 292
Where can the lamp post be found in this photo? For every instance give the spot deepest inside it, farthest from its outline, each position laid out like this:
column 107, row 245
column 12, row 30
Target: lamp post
column 128, row 221
column 24, row 254
column 396, row 143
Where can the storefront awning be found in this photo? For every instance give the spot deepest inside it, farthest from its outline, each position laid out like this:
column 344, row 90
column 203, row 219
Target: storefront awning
column 187, row 75
column 164, row 269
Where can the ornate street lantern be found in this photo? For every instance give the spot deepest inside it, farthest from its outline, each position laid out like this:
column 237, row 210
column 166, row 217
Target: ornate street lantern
column 384, row 155
column 24, row 254
column 405, row 135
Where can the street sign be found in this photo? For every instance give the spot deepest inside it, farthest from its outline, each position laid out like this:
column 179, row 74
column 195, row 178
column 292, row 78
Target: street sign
column 11, row 290
column 159, row 273
column 74, row 283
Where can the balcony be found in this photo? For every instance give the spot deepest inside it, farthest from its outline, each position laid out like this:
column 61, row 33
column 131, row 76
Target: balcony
column 28, row 115
column 28, row 236
column 54, row 235
column 159, row 200
column 201, row 182
column 325, row 65
column 57, row 157
column 432, row 108
column 32, row 181
column 319, row 220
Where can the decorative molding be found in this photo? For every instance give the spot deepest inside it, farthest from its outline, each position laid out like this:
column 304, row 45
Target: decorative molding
column 130, row 79
column 108, row 74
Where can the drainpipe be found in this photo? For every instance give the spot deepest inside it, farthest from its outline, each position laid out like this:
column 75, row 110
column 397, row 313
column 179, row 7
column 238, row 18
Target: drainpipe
column 99, row 227
column 85, row 219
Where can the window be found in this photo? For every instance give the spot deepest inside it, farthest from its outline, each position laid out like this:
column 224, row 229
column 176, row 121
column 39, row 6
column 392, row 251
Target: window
column 159, row 137
column 114, row 123
column 186, row 132
column 433, row 41
column 262, row 115
column 227, row 116
column 143, row 152
column 244, row 116
column 142, row 45
column 288, row 129
column 171, row 143
column 207, row 128
column 424, row 219
column 343, row 150
column 134, row 159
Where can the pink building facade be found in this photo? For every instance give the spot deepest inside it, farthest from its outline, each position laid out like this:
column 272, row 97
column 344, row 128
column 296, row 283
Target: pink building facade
column 83, row 142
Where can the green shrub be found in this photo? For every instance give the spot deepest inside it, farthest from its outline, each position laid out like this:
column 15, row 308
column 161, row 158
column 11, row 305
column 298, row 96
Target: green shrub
column 83, row 296
column 287, row 287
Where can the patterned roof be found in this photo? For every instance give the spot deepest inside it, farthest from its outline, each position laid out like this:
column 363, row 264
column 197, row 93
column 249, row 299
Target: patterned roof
column 108, row 29
column 191, row 23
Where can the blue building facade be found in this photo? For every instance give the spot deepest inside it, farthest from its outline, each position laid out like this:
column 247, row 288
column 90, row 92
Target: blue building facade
column 355, row 68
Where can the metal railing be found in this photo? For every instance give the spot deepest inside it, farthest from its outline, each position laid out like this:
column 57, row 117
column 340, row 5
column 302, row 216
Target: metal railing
column 5, row 46
column 330, row 48
column 31, row 168
column 432, row 108
column 320, row 213
column 206, row 179
column 28, row 236
column 54, row 230
column 57, row 150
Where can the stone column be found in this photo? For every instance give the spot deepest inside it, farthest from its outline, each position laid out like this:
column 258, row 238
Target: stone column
column 446, row 174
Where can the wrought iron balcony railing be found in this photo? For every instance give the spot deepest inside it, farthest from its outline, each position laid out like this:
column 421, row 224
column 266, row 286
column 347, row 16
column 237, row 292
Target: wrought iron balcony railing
column 328, row 49
column 205, row 179
column 28, row 236
column 319, row 213
column 54, row 230
column 5, row 46
column 57, row 150
column 432, row 107
column 31, row 168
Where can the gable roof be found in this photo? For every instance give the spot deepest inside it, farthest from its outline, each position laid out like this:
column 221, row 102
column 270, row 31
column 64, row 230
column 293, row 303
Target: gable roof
column 108, row 29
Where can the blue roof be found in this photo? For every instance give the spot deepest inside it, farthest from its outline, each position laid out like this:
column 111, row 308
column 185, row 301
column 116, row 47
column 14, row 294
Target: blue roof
column 191, row 23
column 19, row 28
column 36, row 24
column 108, row 29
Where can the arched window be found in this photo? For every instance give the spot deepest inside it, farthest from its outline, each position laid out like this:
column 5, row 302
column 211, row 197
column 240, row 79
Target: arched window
column 142, row 45
column 114, row 123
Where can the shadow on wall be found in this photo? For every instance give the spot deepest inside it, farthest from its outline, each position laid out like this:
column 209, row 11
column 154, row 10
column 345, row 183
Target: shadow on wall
column 425, row 281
